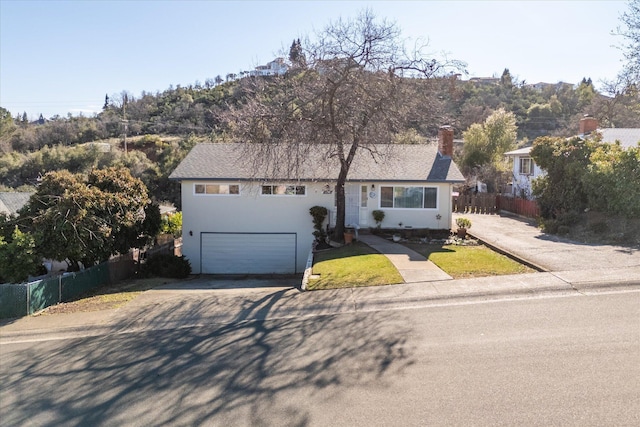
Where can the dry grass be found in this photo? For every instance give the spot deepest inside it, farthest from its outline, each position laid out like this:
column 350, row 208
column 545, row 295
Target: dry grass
column 108, row 297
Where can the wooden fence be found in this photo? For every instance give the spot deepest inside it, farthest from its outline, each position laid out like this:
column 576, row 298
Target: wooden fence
column 487, row 203
column 480, row 203
column 524, row 207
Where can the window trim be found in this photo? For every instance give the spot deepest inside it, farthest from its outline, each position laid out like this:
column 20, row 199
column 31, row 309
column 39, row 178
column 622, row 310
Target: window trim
column 393, row 191
column 229, row 194
column 272, row 194
column 528, row 160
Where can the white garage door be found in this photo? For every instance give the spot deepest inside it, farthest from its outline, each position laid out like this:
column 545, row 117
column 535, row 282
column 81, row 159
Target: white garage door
column 248, row 253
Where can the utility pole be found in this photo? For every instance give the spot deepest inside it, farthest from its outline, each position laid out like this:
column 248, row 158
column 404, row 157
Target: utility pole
column 124, row 121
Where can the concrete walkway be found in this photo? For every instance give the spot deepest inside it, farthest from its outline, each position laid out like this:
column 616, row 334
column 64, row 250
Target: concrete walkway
column 412, row 266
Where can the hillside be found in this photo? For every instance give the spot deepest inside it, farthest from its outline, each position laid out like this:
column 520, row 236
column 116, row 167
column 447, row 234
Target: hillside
column 160, row 128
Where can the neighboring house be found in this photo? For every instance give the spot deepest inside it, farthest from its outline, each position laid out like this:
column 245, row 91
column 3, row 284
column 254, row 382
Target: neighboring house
column 235, row 222
column 12, row 202
column 525, row 170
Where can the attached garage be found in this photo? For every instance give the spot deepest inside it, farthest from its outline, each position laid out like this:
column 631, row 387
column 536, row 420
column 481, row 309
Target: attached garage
column 248, row 253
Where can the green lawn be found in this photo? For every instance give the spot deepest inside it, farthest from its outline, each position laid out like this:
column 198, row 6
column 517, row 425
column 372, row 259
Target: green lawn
column 351, row 266
column 469, row 261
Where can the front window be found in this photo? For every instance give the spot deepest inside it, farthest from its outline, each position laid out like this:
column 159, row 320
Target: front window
column 284, row 190
column 526, row 166
column 409, row 197
column 218, row 189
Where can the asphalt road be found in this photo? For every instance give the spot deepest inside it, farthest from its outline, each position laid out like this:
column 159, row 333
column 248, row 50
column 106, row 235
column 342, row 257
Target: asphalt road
column 570, row 361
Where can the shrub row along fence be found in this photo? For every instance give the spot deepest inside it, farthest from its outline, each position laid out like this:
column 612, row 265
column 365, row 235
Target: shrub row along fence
column 17, row 300
column 486, row 203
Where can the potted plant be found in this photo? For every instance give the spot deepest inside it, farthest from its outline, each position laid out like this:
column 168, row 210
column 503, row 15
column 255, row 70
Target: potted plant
column 463, row 225
column 348, row 236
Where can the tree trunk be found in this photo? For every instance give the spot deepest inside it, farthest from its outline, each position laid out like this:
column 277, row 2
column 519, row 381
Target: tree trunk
column 338, row 232
column 345, row 165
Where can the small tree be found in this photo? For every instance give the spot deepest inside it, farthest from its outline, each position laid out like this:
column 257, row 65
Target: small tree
column 319, row 214
column 485, row 145
column 89, row 219
column 561, row 190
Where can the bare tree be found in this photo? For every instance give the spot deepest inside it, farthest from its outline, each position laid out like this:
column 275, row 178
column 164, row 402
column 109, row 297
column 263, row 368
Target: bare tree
column 350, row 97
column 631, row 33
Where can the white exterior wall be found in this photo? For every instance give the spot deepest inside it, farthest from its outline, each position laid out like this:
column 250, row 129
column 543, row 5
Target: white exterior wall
column 251, row 212
column 414, row 218
column 523, row 182
column 248, row 212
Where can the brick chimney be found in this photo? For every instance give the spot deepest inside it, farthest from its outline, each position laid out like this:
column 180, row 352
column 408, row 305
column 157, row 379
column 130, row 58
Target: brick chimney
column 445, row 141
column 588, row 124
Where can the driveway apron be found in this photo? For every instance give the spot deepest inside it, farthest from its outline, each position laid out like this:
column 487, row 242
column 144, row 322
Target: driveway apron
column 525, row 240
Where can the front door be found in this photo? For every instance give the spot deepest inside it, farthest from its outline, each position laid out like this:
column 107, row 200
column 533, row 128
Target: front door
column 352, row 205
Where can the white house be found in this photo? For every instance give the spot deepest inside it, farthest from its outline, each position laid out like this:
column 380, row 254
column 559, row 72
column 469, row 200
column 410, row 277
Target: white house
column 277, row 67
column 235, row 222
column 524, row 171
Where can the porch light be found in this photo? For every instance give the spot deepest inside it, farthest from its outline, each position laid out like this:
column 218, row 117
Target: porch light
column 373, row 187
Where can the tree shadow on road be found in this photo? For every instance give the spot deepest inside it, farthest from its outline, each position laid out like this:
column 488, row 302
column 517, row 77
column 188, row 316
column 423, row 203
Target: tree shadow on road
column 246, row 372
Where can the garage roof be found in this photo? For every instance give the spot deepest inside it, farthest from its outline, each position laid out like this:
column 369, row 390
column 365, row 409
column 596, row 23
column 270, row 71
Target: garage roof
column 389, row 162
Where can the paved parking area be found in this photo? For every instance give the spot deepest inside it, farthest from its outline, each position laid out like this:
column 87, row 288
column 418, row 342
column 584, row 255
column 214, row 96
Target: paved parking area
column 524, row 239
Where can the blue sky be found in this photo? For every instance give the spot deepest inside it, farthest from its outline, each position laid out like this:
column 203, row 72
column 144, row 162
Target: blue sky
column 59, row 57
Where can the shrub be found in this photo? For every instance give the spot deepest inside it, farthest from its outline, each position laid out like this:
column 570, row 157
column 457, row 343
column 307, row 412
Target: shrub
column 319, row 213
column 164, row 265
column 599, row 227
column 172, row 224
column 378, row 217
column 18, row 258
column 463, row 222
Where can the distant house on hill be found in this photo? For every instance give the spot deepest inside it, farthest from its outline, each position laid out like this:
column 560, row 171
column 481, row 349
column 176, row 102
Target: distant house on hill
column 542, row 85
column 277, row 67
column 485, row 80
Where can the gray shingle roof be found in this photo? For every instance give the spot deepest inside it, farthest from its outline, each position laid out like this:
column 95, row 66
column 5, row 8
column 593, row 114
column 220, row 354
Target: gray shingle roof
column 10, row 203
column 628, row 137
column 393, row 162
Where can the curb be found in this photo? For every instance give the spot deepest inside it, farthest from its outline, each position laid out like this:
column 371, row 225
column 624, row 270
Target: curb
column 347, row 304
column 307, row 271
column 511, row 255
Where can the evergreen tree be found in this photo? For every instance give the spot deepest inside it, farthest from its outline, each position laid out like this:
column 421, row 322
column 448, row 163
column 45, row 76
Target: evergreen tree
column 296, row 54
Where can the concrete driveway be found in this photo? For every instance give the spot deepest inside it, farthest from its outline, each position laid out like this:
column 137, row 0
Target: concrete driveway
column 551, row 253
